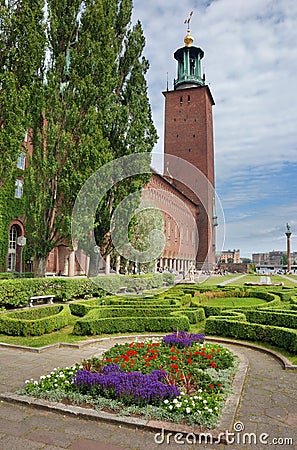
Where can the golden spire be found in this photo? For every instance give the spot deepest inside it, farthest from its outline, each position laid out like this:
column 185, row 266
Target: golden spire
column 188, row 40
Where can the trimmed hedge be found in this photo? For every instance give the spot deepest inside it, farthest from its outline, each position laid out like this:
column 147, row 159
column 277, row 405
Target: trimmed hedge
column 93, row 326
column 278, row 319
column 35, row 322
column 281, row 337
column 82, row 308
column 16, row 293
column 194, row 315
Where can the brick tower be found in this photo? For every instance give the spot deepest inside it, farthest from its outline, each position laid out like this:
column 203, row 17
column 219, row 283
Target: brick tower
column 188, row 134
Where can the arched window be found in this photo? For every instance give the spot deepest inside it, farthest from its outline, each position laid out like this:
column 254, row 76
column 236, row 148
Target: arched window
column 12, row 246
column 21, row 161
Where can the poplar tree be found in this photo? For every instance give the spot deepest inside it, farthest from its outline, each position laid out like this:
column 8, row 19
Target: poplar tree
column 89, row 106
column 21, row 55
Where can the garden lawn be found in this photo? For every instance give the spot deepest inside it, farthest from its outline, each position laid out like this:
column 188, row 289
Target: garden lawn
column 215, row 280
column 229, row 302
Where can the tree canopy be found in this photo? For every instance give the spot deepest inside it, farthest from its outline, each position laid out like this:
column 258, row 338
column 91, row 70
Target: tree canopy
column 80, row 68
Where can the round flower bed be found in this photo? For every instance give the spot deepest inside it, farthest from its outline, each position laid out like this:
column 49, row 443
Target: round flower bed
column 178, row 377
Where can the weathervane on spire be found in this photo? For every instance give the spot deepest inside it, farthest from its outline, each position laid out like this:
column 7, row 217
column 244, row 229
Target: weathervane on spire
column 188, row 40
column 188, row 20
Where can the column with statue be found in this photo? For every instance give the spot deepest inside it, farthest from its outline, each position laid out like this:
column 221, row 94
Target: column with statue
column 288, row 234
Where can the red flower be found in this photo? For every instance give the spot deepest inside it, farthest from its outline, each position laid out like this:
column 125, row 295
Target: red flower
column 108, row 360
column 174, row 366
column 213, row 364
column 208, row 356
column 190, row 361
column 211, row 386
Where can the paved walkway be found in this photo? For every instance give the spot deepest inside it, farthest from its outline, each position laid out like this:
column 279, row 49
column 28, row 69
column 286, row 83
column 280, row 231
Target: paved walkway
column 267, row 411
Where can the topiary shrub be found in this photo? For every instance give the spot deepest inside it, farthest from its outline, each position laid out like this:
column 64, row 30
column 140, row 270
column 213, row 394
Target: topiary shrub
column 35, row 322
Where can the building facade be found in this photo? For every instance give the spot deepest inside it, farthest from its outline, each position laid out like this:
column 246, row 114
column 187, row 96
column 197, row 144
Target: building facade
column 230, row 256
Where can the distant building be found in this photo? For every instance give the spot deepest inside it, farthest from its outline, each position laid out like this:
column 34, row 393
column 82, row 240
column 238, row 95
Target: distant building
column 229, row 256
column 274, row 258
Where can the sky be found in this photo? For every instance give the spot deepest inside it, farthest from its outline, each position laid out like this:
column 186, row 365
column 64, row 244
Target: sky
column 250, row 64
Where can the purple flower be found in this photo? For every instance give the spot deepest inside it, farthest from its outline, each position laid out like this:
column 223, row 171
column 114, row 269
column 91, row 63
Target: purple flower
column 182, row 339
column 133, row 387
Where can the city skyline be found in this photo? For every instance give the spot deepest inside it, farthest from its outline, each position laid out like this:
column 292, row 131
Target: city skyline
column 250, row 66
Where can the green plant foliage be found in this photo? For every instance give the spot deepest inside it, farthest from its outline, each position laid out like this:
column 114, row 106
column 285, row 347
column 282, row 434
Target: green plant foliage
column 91, row 325
column 35, row 322
column 281, row 337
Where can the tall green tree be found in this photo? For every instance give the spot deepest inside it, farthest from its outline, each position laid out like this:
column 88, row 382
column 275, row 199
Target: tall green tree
column 21, row 54
column 89, row 106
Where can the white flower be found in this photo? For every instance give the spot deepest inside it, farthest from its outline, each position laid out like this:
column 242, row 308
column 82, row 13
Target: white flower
column 175, row 400
column 42, row 377
column 35, row 382
column 199, row 390
column 55, row 384
column 178, row 405
column 27, row 381
column 166, row 401
column 48, row 376
column 185, row 400
column 170, row 406
column 210, row 410
column 216, row 408
column 62, row 375
column 204, row 401
column 188, row 410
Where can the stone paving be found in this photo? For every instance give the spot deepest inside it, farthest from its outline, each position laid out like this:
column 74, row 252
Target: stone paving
column 267, row 410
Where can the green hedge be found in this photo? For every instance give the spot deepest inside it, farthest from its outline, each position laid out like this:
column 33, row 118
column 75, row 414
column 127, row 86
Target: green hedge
column 82, row 308
column 232, row 314
column 278, row 319
column 17, row 292
column 281, row 337
column 194, row 315
column 35, row 322
column 87, row 326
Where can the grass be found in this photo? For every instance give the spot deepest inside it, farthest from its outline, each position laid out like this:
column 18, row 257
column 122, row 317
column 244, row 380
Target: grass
column 215, row 280
column 235, row 302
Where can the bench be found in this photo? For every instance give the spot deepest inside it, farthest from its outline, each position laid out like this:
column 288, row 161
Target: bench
column 50, row 274
column 123, row 290
column 41, row 298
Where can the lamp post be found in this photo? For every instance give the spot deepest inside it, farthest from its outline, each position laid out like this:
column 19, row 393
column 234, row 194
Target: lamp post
column 288, row 234
column 21, row 242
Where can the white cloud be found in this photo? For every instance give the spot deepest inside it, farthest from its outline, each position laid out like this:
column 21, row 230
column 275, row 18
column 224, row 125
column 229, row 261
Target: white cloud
column 251, row 65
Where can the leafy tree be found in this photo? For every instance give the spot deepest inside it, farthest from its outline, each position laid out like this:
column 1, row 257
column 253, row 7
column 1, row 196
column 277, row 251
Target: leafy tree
column 21, row 53
column 90, row 106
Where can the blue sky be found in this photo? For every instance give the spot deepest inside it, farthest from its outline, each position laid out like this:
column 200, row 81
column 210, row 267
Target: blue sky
column 250, row 65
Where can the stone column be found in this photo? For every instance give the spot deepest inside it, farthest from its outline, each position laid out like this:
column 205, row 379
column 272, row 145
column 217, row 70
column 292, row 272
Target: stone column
column 288, row 234
column 107, row 265
column 118, row 264
column 71, row 263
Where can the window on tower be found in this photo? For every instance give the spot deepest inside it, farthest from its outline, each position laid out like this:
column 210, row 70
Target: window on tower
column 181, row 100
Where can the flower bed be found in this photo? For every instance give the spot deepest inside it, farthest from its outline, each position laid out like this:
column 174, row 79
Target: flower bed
column 175, row 378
